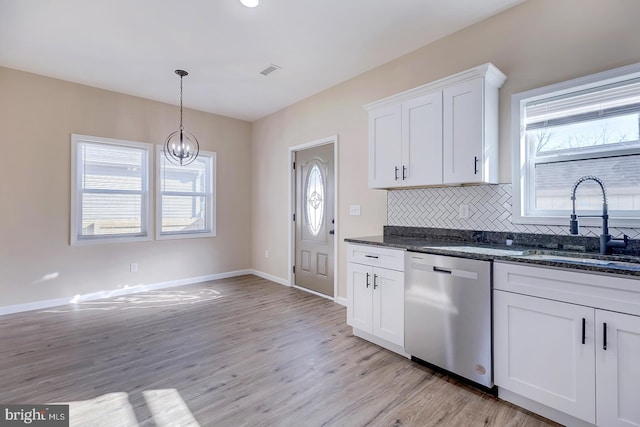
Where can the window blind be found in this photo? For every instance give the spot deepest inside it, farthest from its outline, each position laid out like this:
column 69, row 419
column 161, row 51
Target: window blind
column 610, row 100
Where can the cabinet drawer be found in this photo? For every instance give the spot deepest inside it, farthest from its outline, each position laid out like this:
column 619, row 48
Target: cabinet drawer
column 376, row 256
column 615, row 293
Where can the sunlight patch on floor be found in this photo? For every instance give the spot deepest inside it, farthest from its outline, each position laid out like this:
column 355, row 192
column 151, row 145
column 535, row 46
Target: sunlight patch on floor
column 168, row 409
column 111, row 409
column 166, row 406
column 145, row 300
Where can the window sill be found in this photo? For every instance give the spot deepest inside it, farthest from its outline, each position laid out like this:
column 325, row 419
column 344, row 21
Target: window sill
column 106, row 240
column 174, row 236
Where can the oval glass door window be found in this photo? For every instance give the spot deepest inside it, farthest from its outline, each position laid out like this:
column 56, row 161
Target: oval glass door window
column 315, row 200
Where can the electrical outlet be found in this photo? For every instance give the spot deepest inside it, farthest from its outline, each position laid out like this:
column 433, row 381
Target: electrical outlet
column 354, row 210
column 133, row 267
column 464, row 212
column 266, row 253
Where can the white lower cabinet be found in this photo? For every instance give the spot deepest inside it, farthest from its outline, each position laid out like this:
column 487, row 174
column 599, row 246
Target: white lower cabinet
column 375, row 296
column 538, row 352
column 565, row 346
column 617, row 369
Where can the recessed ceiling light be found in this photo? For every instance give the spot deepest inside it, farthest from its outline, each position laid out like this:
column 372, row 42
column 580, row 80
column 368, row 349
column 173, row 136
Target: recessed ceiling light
column 250, row 3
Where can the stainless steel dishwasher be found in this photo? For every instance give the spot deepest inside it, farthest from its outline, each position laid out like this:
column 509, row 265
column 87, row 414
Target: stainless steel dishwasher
column 448, row 314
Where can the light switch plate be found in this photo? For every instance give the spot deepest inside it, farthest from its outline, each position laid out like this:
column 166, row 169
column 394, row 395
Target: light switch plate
column 354, row 210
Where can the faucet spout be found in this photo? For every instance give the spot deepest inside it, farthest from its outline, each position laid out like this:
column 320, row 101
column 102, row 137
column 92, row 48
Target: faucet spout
column 606, row 241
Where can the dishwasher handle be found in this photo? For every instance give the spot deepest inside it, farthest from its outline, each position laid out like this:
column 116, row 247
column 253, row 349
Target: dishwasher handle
column 441, row 270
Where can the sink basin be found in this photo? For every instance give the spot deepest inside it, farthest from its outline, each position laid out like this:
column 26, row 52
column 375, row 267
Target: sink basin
column 585, row 261
column 479, row 250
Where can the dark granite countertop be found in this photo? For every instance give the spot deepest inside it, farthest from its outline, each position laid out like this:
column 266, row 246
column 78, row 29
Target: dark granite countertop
column 478, row 248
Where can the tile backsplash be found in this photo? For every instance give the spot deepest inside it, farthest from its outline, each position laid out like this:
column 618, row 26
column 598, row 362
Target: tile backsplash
column 489, row 210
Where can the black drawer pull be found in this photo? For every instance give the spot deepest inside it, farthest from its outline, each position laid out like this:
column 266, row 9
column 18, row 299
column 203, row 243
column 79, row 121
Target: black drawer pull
column 441, row 270
column 604, row 336
column 372, row 256
column 584, row 321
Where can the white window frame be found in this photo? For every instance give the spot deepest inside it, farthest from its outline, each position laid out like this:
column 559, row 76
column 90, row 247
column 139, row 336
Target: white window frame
column 76, row 190
column 522, row 185
column 211, row 200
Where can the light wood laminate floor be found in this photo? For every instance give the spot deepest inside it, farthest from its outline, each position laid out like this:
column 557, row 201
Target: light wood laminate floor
column 234, row 352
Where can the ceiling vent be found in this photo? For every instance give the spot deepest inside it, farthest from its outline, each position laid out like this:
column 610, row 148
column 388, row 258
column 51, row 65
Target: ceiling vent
column 270, row 69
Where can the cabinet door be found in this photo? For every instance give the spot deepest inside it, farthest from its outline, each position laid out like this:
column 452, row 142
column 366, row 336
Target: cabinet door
column 385, row 147
column 388, row 305
column 539, row 354
column 422, row 140
column 463, row 133
column 360, row 296
column 618, row 369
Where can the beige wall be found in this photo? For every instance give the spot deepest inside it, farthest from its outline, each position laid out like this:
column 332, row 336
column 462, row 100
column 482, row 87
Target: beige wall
column 536, row 43
column 37, row 117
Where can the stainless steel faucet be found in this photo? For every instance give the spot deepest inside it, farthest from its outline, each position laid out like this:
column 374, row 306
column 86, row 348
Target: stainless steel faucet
column 607, row 243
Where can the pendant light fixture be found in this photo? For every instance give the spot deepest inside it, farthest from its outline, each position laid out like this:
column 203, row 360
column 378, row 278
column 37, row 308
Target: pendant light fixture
column 181, row 147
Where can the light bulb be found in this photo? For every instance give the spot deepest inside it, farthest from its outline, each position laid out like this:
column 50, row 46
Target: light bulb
column 250, row 3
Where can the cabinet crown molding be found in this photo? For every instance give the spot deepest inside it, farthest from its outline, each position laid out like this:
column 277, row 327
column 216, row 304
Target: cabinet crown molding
column 488, row 71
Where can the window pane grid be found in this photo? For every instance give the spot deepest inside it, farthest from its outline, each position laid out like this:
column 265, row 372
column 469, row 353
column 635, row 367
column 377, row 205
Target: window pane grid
column 185, row 197
column 554, row 180
column 112, row 195
column 590, row 126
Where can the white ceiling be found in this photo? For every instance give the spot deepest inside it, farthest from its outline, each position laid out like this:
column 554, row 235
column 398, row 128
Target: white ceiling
column 134, row 46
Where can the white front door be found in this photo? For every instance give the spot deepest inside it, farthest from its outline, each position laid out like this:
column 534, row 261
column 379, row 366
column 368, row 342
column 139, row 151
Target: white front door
column 315, row 224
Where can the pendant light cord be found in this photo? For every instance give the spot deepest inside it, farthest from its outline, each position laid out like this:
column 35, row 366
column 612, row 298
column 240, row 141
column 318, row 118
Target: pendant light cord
column 181, row 128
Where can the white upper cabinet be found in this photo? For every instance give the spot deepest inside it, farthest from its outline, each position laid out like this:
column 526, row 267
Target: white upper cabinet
column 445, row 132
column 463, row 143
column 422, row 140
column 385, row 147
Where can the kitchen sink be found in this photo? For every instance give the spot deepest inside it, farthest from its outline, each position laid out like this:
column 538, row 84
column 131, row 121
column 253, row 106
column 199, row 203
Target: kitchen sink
column 584, row 261
column 479, row 250
column 566, row 258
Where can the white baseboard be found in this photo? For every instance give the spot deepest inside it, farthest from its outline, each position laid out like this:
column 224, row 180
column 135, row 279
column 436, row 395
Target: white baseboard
column 271, row 277
column 285, row 282
column 39, row 305
column 314, row 292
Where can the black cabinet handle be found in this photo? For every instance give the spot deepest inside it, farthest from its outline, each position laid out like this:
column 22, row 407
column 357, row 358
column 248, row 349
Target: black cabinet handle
column 441, row 270
column 368, row 280
column 404, row 172
column 584, row 321
column 372, row 256
column 375, row 277
column 332, row 231
column 475, row 165
column 396, row 173
column 604, row 336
